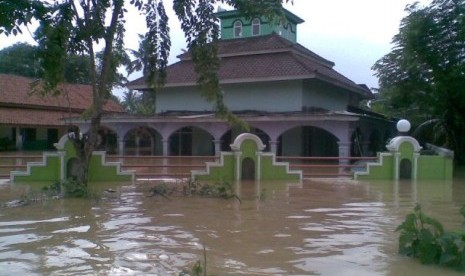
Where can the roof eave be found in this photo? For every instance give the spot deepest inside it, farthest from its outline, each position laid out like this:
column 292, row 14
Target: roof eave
column 353, row 88
column 228, row 81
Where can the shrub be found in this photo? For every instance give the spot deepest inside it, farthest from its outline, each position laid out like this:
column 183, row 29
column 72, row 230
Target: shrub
column 424, row 238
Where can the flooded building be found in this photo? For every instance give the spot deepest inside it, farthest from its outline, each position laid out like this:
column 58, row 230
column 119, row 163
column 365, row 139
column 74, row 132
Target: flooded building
column 291, row 98
column 31, row 121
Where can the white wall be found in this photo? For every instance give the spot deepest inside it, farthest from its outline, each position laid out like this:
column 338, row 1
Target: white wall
column 276, row 96
column 273, row 96
column 181, row 99
column 323, row 96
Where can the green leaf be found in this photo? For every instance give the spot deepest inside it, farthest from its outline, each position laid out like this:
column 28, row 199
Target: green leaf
column 409, row 224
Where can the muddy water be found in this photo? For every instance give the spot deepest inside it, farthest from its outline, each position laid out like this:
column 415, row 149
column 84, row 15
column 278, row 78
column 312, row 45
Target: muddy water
column 330, row 227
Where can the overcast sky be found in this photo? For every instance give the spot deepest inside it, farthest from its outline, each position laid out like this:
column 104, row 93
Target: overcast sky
column 353, row 34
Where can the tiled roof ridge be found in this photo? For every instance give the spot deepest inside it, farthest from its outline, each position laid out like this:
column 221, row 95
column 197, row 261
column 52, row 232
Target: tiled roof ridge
column 280, row 44
column 32, row 79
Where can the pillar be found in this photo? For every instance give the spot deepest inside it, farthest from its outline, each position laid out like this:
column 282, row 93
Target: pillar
column 415, row 165
column 396, row 165
column 217, row 143
column 344, row 154
column 121, row 146
column 273, row 146
column 19, row 139
column 165, row 146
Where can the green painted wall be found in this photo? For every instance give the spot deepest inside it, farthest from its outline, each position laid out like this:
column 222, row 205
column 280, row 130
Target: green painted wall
column 430, row 167
column 51, row 172
column 248, row 149
column 274, row 172
column 385, row 171
column 226, row 172
column 406, row 151
column 97, row 172
column 287, row 29
column 435, row 167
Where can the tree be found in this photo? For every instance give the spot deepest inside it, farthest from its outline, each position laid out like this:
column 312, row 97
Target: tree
column 24, row 60
column 20, row 59
column 138, row 103
column 423, row 77
column 78, row 26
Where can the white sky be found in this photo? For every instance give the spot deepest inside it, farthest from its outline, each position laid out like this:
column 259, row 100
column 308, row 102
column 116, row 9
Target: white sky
column 353, row 34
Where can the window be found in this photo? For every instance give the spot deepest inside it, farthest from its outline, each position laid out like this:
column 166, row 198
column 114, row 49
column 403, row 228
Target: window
column 256, row 26
column 288, row 31
column 238, row 29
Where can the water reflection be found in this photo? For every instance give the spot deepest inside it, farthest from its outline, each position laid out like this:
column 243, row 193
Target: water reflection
column 330, row 227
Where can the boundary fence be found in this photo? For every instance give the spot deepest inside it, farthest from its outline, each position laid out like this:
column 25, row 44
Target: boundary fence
column 150, row 166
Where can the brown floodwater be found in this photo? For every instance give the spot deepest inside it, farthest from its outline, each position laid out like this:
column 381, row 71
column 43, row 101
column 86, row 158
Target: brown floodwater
column 317, row 227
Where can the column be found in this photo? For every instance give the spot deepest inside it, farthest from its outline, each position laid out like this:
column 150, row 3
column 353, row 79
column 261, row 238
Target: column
column 19, row 139
column 238, row 165
column 273, row 146
column 217, row 143
column 396, row 164
column 415, row 165
column 120, row 146
column 344, row 153
column 165, row 146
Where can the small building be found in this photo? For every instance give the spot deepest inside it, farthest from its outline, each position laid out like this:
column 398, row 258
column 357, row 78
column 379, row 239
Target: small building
column 33, row 122
column 292, row 98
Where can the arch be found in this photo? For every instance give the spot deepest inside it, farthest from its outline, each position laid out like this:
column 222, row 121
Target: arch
column 396, row 142
column 248, row 169
column 230, row 135
column 256, row 28
column 143, row 141
column 237, row 28
column 190, row 140
column 308, row 140
column 236, row 146
column 405, row 169
column 333, row 129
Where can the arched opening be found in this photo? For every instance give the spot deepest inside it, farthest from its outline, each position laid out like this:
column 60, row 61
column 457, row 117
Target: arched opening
column 143, row 141
column 191, row 141
column 72, row 168
column 248, row 169
column 107, row 140
column 405, row 170
column 238, row 28
column 230, row 135
column 255, row 26
column 308, row 141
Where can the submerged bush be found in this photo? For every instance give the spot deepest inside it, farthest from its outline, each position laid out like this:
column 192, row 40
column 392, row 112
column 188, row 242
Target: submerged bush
column 424, row 238
column 220, row 189
column 68, row 189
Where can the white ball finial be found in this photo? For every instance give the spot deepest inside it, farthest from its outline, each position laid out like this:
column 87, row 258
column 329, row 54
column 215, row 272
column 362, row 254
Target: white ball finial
column 403, row 126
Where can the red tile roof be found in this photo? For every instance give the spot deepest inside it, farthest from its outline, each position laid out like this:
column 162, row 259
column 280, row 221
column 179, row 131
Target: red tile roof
column 260, row 58
column 19, row 107
column 33, row 117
